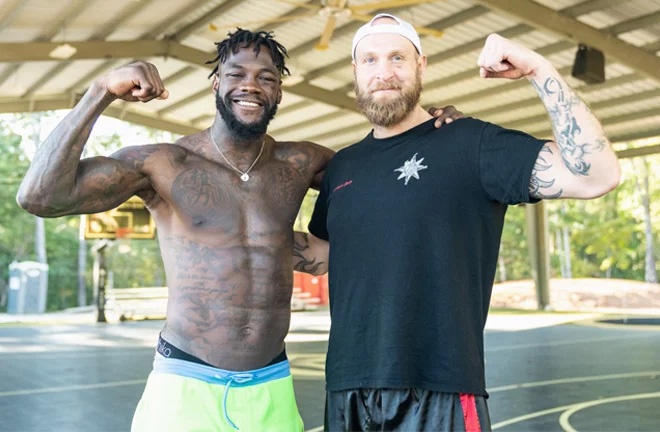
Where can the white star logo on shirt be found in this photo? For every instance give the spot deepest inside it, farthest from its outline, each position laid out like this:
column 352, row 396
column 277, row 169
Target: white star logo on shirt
column 411, row 168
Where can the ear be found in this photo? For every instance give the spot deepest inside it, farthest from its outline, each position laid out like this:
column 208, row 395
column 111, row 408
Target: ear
column 216, row 83
column 422, row 61
column 279, row 93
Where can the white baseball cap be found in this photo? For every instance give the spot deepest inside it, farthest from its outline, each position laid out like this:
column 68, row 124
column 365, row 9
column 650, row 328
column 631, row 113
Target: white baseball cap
column 403, row 28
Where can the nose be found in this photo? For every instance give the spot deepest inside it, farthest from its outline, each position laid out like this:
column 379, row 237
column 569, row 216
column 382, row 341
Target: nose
column 249, row 84
column 384, row 71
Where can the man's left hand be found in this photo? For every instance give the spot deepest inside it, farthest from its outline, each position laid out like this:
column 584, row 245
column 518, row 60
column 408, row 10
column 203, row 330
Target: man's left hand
column 445, row 115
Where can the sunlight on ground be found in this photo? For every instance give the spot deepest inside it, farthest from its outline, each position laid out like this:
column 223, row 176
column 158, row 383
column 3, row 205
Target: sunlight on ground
column 582, row 295
column 515, row 322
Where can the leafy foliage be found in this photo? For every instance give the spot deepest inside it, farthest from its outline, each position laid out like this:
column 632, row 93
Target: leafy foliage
column 14, row 223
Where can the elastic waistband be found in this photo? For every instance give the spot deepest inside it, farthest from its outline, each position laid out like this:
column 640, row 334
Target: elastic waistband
column 213, row 375
column 168, row 350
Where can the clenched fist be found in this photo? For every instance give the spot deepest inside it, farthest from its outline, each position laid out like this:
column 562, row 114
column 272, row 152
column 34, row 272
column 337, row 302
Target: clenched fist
column 139, row 81
column 502, row 58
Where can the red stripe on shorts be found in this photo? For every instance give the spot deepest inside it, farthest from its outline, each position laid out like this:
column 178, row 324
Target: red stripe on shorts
column 470, row 413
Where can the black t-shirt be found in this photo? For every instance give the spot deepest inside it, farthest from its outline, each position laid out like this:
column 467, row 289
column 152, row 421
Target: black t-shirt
column 414, row 223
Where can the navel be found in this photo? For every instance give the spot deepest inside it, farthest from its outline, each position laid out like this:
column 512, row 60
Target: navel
column 247, row 331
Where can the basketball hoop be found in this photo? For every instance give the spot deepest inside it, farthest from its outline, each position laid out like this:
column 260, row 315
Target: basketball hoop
column 131, row 220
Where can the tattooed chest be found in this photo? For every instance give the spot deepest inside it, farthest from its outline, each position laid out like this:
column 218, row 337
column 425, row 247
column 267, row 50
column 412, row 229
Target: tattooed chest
column 268, row 200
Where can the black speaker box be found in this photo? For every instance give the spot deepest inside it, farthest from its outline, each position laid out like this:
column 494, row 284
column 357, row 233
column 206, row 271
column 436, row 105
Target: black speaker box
column 589, row 65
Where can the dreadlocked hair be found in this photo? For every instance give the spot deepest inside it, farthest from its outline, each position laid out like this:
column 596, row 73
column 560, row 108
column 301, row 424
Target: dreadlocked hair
column 243, row 39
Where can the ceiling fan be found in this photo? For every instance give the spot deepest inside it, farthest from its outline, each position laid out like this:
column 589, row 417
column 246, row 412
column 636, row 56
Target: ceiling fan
column 333, row 10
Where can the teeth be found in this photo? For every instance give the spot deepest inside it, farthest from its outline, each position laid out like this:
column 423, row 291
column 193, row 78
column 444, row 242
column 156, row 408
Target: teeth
column 246, row 103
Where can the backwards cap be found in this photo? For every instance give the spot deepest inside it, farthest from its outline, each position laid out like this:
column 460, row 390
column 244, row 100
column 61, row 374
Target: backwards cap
column 401, row 28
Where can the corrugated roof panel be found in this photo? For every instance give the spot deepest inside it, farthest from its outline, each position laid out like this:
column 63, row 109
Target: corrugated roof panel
column 289, row 99
column 452, row 76
column 312, row 110
column 636, row 88
column 642, row 105
column 558, row 4
column 639, row 37
column 192, row 110
column 599, row 19
column 72, row 73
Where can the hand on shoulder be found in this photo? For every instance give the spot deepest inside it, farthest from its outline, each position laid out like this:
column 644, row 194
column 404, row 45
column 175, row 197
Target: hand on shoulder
column 445, row 115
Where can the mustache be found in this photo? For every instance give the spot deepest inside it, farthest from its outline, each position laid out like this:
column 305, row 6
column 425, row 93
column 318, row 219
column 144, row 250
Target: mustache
column 388, row 86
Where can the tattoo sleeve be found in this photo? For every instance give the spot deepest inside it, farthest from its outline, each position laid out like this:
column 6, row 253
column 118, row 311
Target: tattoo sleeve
column 578, row 135
column 58, row 182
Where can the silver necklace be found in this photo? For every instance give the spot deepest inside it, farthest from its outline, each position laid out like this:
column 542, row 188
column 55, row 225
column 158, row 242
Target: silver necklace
column 244, row 175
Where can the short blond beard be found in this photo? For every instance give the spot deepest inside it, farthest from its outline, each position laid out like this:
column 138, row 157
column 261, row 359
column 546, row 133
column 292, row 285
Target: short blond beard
column 389, row 113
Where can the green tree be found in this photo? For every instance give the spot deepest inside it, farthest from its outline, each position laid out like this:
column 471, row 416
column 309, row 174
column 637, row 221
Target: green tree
column 306, row 210
column 70, row 270
column 643, row 180
column 513, row 261
column 15, row 225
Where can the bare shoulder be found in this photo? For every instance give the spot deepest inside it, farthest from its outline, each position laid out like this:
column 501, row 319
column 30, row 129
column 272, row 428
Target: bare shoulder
column 304, row 155
column 140, row 157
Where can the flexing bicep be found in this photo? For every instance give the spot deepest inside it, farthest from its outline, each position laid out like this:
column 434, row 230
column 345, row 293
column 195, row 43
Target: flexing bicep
column 102, row 183
column 98, row 184
column 310, row 253
column 580, row 163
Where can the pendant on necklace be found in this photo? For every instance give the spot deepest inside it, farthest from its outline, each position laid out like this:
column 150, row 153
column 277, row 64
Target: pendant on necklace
column 245, row 177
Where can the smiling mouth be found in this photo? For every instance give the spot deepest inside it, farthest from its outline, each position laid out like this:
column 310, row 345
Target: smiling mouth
column 385, row 89
column 247, row 104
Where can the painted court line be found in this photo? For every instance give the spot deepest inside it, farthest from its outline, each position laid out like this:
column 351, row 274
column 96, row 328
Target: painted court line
column 565, row 424
column 572, row 380
column 570, row 409
column 564, row 419
column 71, row 388
column 569, row 342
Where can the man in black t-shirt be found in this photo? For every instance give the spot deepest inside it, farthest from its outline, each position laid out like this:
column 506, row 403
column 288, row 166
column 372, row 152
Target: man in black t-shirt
column 409, row 221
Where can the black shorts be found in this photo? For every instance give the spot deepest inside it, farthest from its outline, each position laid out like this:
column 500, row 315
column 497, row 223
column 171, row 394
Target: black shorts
column 405, row 410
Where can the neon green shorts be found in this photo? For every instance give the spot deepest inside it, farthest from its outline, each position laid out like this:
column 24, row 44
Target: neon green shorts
column 181, row 396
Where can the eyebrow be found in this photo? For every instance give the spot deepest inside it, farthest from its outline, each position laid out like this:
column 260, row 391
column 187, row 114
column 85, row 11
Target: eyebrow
column 388, row 54
column 232, row 65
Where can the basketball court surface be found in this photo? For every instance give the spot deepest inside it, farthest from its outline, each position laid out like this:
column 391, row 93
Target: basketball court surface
column 545, row 372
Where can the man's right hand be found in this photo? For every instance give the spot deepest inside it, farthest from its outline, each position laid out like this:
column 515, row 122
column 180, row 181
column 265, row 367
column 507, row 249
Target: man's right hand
column 139, row 81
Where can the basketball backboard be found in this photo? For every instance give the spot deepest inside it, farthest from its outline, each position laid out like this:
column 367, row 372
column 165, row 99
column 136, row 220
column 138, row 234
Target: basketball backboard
column 130, row 220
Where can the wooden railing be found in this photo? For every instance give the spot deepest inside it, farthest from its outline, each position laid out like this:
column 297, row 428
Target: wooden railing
column 151, row 302
column 134, row 303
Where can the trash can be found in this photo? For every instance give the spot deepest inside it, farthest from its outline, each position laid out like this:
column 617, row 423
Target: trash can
column 28, row 287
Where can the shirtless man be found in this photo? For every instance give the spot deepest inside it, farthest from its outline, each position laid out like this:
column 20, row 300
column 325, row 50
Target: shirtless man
column 224, row 201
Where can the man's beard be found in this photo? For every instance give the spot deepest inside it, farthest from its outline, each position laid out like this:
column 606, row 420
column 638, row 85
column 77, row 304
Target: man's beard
column 241, row 130
column 389, row 112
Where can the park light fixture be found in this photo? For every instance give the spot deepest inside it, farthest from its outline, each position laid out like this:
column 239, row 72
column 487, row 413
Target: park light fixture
column 63, row 51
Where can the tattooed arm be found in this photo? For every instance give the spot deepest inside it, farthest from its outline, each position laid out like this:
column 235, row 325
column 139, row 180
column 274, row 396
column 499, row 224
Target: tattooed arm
column 310, row 253
column 580, row 163
column 59, row 183
column 323, row 156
